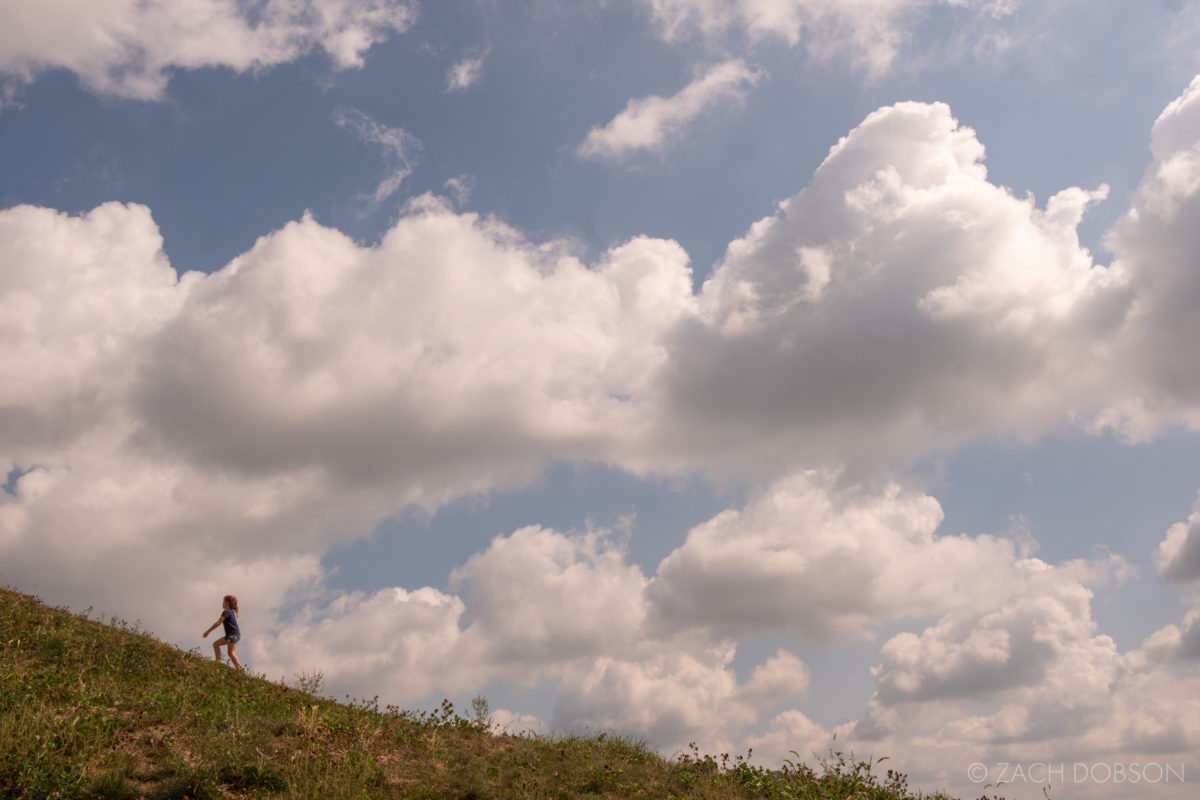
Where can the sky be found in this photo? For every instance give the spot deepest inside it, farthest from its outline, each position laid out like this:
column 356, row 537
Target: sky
column 774, row 375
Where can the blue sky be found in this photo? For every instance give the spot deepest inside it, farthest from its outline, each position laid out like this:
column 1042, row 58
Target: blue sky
column 743, row 372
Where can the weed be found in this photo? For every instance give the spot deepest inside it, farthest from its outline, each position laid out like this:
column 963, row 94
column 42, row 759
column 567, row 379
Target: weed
column 482, row 712
column 186, row 786
column 112, row 785
column 254, row 776
column 311, row 682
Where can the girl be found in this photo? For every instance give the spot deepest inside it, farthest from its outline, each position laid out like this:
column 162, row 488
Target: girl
column 233, row 634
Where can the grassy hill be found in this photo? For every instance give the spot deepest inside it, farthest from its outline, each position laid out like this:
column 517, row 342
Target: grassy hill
column 96, row 710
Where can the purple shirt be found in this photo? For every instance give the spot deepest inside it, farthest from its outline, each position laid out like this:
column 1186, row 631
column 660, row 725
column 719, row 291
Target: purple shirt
column 229, row 620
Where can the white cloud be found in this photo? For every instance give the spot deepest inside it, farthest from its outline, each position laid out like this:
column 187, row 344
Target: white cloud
column 1178, row 556
column 456, row 356
column 781, row 677
column 79, row 296
column 542, row 596
column 460, row 188
column 809, row 558
column 400, row 644
column 538, row 606
column 129, row 47
column 669, row 699
column 173, row 430
column 1155, row 243
column 870, row 34
column 790, row 737
column 399, row 151
column 453, row 357
column 1013, row 644
column 517, row 724
column 465, row 74
column 1175, row 641
column 1030, row 681
column 649, row 123
column 158, row 542
column 985, row 314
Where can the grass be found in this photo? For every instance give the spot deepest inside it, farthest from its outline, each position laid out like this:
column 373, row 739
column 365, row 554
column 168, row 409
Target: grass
column 90, row 709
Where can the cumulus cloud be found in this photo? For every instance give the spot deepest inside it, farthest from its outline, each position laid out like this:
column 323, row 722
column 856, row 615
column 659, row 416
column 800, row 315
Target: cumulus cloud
column 1178, row 560
column 670, row 699
column 1155, row 243
column 538, row 606
column 571, row 608
column 400, row 644
column 780, row 677
column 1030, row 678
column 544, row 596
column 456, row 356
column 986, row 315
column 868, row 33
column 155, row 542
column 1175, row 642
column 790, row 737
column 129, row 47
column 1178, row 556
column 267, row 408
column 1012, row 644
column 649, row 123
column 453, row 357
column 1071, row 696
column 1009, row 669
column 79, row 296
column 808, row 557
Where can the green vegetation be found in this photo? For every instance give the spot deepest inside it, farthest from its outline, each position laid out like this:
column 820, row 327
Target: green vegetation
column 95, row 710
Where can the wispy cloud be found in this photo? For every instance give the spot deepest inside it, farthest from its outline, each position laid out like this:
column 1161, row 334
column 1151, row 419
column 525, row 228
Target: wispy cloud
column 649, row 123
column 460, row 188
column 398, row 145
column 868, row 34
column 465, row 73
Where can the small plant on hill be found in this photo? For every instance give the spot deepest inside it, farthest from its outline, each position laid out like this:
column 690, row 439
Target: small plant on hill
column 311, row 682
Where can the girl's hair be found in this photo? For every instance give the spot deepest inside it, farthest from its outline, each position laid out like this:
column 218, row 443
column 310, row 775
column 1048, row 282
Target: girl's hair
column 232, row 601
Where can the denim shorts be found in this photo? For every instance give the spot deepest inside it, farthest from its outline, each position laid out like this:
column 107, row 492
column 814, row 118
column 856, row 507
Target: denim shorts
column 233, row 638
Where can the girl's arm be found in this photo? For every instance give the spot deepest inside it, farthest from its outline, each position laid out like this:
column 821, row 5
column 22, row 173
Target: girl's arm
column 212, row 627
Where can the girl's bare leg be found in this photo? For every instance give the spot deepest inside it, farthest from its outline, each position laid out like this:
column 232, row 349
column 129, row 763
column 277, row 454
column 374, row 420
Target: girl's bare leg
column 233, row 655
column 217, row 648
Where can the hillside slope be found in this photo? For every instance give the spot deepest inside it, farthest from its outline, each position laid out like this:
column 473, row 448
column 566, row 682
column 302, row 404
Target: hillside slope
column 95, row 710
